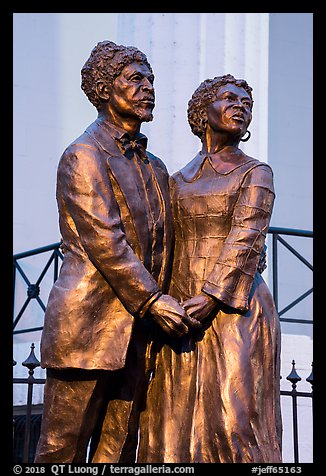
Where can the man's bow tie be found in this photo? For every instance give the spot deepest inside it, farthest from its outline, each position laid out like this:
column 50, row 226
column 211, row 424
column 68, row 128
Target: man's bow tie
column 130, row 146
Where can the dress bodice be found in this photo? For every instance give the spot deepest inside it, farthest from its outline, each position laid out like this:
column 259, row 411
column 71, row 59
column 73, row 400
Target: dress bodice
column 207, row 206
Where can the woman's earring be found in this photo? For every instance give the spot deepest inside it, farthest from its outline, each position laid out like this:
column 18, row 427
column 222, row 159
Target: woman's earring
column 247, row 138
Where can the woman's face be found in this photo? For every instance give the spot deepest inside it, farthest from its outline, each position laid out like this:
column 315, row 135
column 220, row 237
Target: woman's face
column 231, row 111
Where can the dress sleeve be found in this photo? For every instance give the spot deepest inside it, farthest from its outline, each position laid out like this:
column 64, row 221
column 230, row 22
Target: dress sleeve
column 232, row 276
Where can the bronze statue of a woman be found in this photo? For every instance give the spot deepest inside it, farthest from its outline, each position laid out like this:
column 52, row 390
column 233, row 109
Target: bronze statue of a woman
column 215, row 393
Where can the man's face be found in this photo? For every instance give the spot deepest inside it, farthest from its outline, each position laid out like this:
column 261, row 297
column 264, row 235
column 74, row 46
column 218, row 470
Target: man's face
column 132, row 93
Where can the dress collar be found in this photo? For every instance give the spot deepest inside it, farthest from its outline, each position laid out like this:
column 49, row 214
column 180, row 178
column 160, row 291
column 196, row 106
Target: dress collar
column 227, row 160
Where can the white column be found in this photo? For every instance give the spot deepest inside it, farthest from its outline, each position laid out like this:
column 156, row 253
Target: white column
column 186, row 60
column 234, row 44
column 186, row 48
column 256, row 74
column 50, row 110
column 212, row 53
column 246, row 57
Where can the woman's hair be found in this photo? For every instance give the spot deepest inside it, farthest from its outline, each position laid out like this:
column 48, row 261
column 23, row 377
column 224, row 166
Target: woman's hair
column 105, row 63
column 205, row 94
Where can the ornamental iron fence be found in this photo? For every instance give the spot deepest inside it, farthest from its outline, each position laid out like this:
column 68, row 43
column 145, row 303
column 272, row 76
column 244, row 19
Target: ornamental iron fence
column 27, row 427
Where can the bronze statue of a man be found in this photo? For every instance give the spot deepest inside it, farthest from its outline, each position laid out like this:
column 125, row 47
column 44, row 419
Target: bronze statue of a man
column 116, row 225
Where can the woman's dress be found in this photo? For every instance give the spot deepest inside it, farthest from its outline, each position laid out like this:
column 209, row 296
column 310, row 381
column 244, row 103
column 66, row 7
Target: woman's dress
column 215, row 393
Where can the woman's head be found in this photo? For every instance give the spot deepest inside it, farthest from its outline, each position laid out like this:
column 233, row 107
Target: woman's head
column 206, row 94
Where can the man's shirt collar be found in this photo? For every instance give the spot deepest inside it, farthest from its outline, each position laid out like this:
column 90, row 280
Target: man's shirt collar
column 120, row 135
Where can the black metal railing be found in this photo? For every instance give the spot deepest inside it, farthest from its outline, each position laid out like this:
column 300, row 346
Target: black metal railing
column 294, row 378
column 33, row 292
column 28, row 453
column 33, row 289
column 278, row 238
column 32, row 362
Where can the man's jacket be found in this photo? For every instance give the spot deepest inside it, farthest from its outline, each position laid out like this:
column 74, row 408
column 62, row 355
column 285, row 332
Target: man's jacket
column 104, row 285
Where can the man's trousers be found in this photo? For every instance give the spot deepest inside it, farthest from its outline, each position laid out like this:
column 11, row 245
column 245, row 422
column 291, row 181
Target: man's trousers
column 95, row 410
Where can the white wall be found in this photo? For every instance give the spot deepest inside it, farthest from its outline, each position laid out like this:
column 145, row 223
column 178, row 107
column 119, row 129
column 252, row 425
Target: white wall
column 290, row 154
column 50, row 110
column 291, row 117
column 186, row 48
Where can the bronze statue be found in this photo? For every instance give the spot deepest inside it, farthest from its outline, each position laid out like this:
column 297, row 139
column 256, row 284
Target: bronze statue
column 215, row 395
column 116, row 225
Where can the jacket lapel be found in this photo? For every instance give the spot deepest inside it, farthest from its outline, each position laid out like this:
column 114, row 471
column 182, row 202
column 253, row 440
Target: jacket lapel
column 162, row 181
column 119, row 167
column 122, row 171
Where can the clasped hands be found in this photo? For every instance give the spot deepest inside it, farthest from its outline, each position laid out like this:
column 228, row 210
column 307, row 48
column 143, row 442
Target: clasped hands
column 178, row 319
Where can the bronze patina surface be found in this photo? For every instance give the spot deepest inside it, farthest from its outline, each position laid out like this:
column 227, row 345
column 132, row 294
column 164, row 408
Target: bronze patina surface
column 215, row 395
column 161, row 339
column 116, row 225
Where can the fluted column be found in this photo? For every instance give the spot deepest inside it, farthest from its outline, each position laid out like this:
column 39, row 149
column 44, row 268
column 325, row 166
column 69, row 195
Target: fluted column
column 186, row 48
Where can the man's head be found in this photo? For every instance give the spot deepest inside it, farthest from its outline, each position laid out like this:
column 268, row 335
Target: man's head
column 112, row 71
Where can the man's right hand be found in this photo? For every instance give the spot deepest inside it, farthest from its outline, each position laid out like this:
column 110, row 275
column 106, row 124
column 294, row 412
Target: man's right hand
column 172, row 318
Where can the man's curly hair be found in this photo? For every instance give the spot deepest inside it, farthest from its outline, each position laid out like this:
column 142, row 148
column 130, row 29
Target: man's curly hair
column 105, row 63
column 205, row 94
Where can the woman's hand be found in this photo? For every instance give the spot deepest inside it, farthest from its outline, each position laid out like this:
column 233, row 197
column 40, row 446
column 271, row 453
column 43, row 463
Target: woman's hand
column 200, row 306
column 172, row 317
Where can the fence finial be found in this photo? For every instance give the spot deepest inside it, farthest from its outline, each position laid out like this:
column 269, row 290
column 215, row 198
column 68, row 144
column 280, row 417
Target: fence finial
column 310, row 379
column 31, row 362
column 293, row 377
